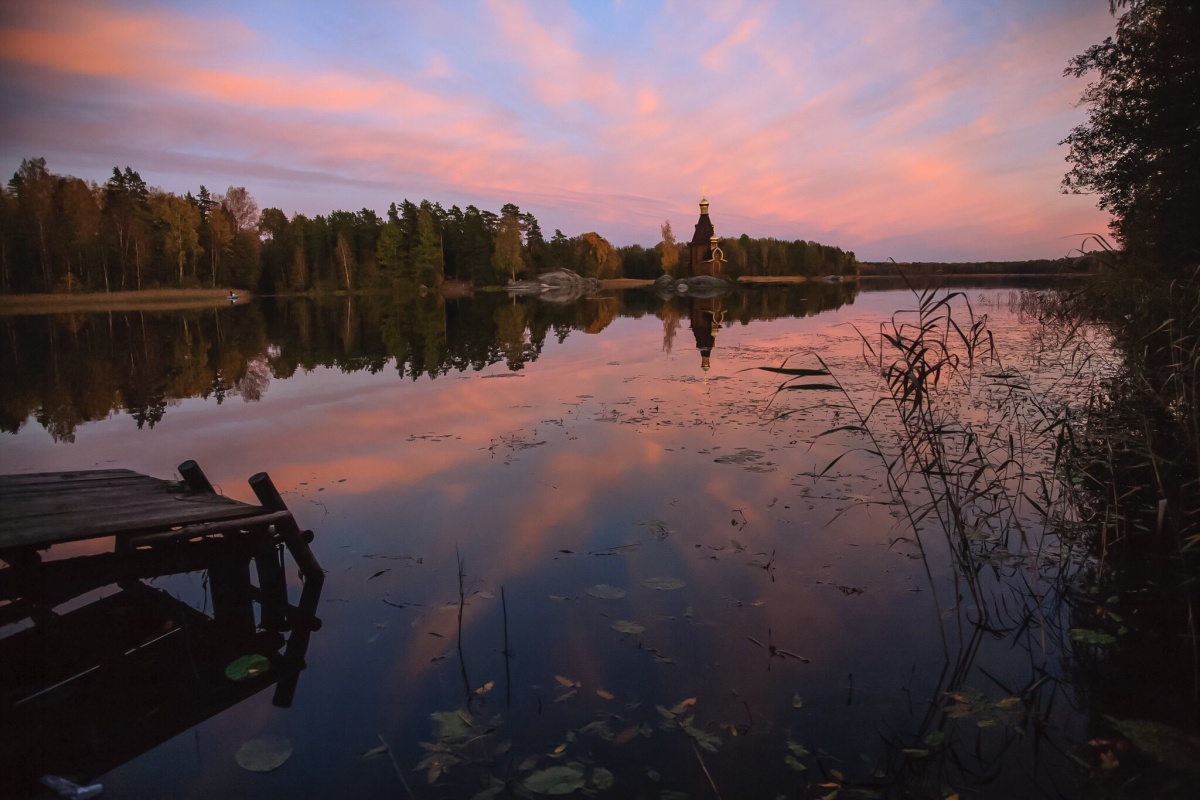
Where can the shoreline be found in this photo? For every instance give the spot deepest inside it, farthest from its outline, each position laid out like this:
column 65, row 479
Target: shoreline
column 135, row 300
column 180, row 299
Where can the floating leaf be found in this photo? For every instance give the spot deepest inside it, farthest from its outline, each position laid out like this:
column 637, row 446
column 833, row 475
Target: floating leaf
column 374, row 751
column 1167, row 745
column 794, row 764
column 626, row 735
column 602, row 779
column 606, row 592
column 264, row 754
column 247, row 667
column 626, row 626
column 705, row 740
column 1085, row 636
column 598, row 728
column 497, row 786
column 487, row 687
column 683, row 705
column 561, row 779
column 797, row 700
column 453, row 725
column 664, row 584
column 795, row 372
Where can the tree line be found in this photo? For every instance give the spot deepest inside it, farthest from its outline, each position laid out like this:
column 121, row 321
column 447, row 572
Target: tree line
column 59, row 233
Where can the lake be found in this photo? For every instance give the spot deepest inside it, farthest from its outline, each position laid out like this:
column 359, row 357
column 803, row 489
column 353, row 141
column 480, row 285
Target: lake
column 592, row 547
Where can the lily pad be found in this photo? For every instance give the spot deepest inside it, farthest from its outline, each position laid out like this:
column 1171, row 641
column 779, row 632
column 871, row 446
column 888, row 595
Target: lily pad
column 1085, row 636
column 602, row 779
column 606, row 592
column 247, row 667
column 554, row 780
column 264, row 754
column 664, row 584
column 625, row 626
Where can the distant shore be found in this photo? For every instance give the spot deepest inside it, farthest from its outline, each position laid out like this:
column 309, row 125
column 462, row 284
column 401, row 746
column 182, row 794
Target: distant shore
column 143, row 300
column 178, row 299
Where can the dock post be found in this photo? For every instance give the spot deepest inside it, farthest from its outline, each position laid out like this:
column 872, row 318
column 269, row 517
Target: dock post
column 195, row 478
column 293, row 537
column 272, row 583
column 304, row 621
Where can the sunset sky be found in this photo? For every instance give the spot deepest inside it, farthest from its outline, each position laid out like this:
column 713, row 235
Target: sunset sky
column 910, row 130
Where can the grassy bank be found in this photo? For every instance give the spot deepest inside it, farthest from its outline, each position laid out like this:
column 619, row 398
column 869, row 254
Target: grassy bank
column 144, row 300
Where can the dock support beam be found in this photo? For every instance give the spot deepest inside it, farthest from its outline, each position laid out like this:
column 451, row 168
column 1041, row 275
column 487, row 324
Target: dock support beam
column 293, row 537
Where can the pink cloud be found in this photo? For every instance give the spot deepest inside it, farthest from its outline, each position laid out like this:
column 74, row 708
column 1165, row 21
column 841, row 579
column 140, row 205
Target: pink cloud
column 796, row 135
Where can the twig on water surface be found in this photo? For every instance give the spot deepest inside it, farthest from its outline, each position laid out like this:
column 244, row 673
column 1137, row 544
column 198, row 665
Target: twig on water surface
column 707, row 774
column 777, row 651
column 462, row 599
column 395, row 766
column 507, row 653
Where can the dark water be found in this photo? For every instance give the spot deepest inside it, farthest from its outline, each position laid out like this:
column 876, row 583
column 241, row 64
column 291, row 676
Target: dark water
column 577, row 546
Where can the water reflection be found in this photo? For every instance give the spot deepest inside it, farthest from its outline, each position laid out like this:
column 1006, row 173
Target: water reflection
column 107, row 663
column 71, row 369
column 553, row 463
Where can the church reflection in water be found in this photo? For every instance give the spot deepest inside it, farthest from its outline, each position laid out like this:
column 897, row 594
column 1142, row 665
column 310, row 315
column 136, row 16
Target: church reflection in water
column 707, row 316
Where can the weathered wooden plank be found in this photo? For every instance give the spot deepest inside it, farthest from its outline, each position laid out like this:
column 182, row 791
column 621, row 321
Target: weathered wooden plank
column 52, row 508
column 53, row 480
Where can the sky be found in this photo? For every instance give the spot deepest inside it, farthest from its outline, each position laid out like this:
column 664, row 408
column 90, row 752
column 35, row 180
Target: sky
column 922, row 130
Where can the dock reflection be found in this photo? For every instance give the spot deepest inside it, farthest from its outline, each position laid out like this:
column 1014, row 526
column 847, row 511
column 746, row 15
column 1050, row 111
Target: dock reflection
column 86, row 690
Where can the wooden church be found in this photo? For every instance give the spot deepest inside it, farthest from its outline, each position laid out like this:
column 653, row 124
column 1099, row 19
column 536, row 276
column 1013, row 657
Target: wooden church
column 704, row 252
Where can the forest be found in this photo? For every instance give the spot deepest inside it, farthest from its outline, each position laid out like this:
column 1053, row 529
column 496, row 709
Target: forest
column 62, row 234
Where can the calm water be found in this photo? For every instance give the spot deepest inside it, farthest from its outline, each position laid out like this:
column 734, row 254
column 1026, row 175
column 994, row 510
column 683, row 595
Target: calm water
column 689, row 607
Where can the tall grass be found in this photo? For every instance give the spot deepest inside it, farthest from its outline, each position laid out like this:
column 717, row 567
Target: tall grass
column 1140, row 455
column 976, row 456
column 970, row 449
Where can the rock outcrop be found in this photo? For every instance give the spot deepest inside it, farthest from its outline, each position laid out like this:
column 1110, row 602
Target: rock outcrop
column 557, row 286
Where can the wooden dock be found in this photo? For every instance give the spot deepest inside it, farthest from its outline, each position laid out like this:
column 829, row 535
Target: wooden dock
column 84, row 688
column 49, row 508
